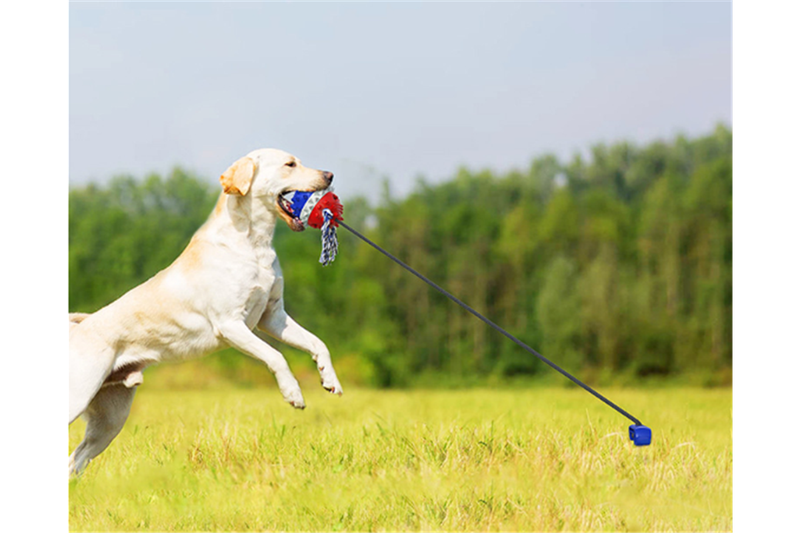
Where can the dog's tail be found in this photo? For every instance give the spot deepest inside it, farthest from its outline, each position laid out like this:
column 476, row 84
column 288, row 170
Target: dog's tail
column 76, row 318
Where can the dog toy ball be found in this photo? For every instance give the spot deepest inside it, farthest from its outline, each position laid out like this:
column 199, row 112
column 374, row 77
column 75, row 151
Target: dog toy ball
column 640, row 435
column 319, row 209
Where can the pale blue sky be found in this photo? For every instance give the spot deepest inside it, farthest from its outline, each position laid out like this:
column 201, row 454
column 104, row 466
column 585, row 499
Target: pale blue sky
column 395, row 90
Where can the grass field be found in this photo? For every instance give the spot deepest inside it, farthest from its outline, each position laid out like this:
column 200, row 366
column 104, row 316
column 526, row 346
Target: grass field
column 469, row 460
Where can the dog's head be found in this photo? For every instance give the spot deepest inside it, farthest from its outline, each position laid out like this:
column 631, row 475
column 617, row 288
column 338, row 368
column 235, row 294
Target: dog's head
column 267, row 174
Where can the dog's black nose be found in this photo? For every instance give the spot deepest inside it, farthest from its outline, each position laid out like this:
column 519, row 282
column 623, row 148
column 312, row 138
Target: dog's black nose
column 328, row 176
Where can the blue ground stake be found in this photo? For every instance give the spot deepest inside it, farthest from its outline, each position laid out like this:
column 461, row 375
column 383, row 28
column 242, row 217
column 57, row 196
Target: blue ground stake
column 640, row 435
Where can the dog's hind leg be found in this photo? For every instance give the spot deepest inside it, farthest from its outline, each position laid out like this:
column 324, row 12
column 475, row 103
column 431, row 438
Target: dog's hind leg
column 90, row 362
column 105, row 417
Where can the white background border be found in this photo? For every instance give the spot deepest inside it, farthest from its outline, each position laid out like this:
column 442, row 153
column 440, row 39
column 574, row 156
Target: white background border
column 34, row 151
column 34, row 132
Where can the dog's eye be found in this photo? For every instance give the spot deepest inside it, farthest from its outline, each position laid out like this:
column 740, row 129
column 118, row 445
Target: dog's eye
column 291, row 164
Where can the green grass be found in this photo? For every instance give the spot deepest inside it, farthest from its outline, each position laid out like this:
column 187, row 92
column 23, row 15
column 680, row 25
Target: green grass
column 465, row 460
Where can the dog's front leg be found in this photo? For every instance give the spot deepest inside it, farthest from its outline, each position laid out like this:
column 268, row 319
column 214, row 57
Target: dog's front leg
column 282, row 327
column 239, row 336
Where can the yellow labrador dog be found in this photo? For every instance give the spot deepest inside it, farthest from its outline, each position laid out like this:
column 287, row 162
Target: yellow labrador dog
column 226, row 283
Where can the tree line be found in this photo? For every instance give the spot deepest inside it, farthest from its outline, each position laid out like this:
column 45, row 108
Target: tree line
column 616, row 265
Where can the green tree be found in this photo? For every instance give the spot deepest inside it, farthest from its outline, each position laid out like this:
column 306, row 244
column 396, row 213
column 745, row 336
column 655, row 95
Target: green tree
column 615, row 262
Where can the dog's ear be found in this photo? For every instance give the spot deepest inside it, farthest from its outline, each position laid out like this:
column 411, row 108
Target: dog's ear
column 238, row 177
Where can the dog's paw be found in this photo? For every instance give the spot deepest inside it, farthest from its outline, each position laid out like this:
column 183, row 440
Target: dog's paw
column 295, row 399
column 331, row 383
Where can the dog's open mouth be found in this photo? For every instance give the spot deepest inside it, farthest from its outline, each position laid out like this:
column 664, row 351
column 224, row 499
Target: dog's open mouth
column 285, row 203
column 287, row 211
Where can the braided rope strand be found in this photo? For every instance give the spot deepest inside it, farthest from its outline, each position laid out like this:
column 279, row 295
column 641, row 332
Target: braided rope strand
column 330, row 244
